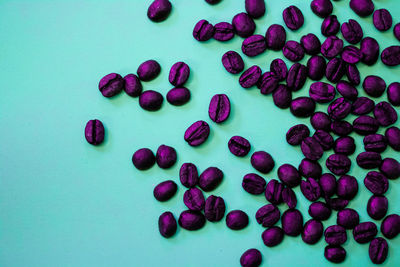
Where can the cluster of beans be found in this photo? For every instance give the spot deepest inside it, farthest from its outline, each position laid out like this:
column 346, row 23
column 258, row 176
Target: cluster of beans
column 336, row 193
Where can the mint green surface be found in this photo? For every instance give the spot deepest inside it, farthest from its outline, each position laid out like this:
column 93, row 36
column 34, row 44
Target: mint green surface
column 64, row 202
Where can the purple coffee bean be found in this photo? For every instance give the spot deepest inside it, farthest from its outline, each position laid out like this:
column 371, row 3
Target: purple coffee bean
column 362, row 105
column 365, row 125
column 268, row 83
column 347, row 187
column 273, row 192
column 289, row 197
column 393, row 93
column 203, row 30
column 219, row 108
column 210, row 178
column 369, row 160
column 237, row 220
column 330, row 26
column 254, row 184
column 390, row 168
column 191, row 220
column 391, row 55
column 223, row 31
column 364, row 232
column 151, row 100
column 262, row 161
column 133, row 86
column 143, row 159
column 344, row 145
column 213, row 2
column 273, row 236
column 275, row 37
column 396, row 31
column 297, row 134
column 322, row 92
column 352, row 31
column 111, row 84
column 311, row 44
column 165, row 190
column 362, row 8
column 302, row 107
column 243, row 24
column 289, row 175
column 376, row 182
column 335, row 254
column 193, row 198
column 159, row 10
column 165, row 156
column 179, row 74
column 251, row 257
column 382, row 19
column 348, row 218
column 255, row 8
column 214, row 208
column 188, row 175
column 335, row 235
column 250, row 77
column 282, row 96
column 375, row 143
column 320, row 121
column 293, row 51
column 327, row 182
column 293, row 17
column 316, row 66
column 347, row 90
column 337, row 203
column 178, row 96
column 148, row 70
column 239, row 146
column 393, row 136
column 335, row 70
column 378, row 250
column 385, row 114
column 370, row 50
column 268, row 215
column 331, row 47
column 338, row 164
column 351, row 54
column 374, row 86
column 279, row 68
column 312, row 231
column 197, row 133
column 319, row 211
column 310, row 168
column 94, row 132
column 341, row 128
column 292, row 222
column 377, row 207
column 353, row 75
column 232, row 62
column 254, row 45
column 310, row 189
column 167, row 224
column 311, row 148
column 297, row 76
column 322, row 8
column 390, row 226
column 324, row 139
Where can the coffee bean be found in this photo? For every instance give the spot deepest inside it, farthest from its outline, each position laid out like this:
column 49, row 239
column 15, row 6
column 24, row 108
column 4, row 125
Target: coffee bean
column 319, row 211
column 335, row 254
column 268, row 215
column 289, row 175
column 151, row 100
column 347, row 90
column 344, row 145
column 223, row 31
column 365, row 125
column 322, row 92
column 370, row 50
column 214, row 208
column 213, row 2
column 341, row 128
column 331, row 47
column 178, row 96
column 191, row 220
column 220, row 108
column 273, row 236
column 165, row 156
column 292, row 222
column 310, row 168
column 347, row 187
column 188, row 175
column 255, row 8
column 282, row 96
column 376, row 182
column 362, row 105
column 327, row 182
column 297, row 76
column 310, row 189
column 237, row 220
column 289, row 197
column 324, row 139
column 254, row 45
column 374, row 86
column 375, row 143
column 251, row 257
column 159, row 10
column 377, row 207
column 330, row 26
column 390, row 168
column 165, row 190
column 297, row 134
column 133, row 87
column 312, row 231
column 268, row 83
column 197, row 133
column 148, row 70
column 337, row 203
column 293, row 17
column 385, row 114
column 382, row 19
column 362, row 8
column 250, row 77
column 311, row 44
column 393, row 93
column 322, row 8
column 393, row 136
column 348, row 218
column 262, row 161
column 179, row 74
column 111, row 84
column 275, row 37
column 351, row 54
column 352, row 31
column 279, row 68
column 293, row 51
column 239, row 146
column 273, row 192
column 232, row 62
column 243, row 24
column 364, row 232
column 311, row 148
column 338, row 164
column 210, row 178
column 143, row 159
column 167, row 224
column 396, row 31
column 390, row 226
column 193, row 198
column 316, row 66
column 378, row 250
column 203, row 31
column 320, row 121
column 369, row 160
column 353, row 75
column 335, row 70
column 94, row 132
column 302, row 107
column 335, row 235
column 253, row 184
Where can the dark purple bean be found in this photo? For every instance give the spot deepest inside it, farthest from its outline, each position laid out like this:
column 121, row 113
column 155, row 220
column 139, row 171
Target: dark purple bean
column 268, row 215
column 352, row 31
column 310, row 168
column 369, row 160
column 143, row 159
column 322, row 8
column 338, row 164
column 203, row 31
column 377, row 207
column 335, row 70
column 344, row 145
column 335, row 254
column 289, row 197
column 268, row 83
column 362, row 105
column 378, row 250
column 320, row 121
column 151, row 100
column 374, row 86
column 262, row 161
column 237, row 220
column 148, row 70
column 319, row 211
column 322, row 92
column 188, row 175
column 382, row 19
column 337, row 203
column 165, row 190
column 327, row 182
column 273, row 236
column 193, row 198
column 347, row 90
column 385, row 114
column 165, row 156
column 289, row 175
column 393, row 136
column 393, row 93
column 179, row 74
column 178, row 96
column 396, row 31
column 375, row 143
column 250, row 77
column 370, row 50
column 297, row 76
column 94, row 132
column 312, row 231
column 362, row 8
column 214, row 208
column 364, row 232
column 293, row 51
column 297, row 134
column 324, row 139
column 390, row 226
column 254, row 45
column 331, row 47
column 390, row 168
column 111, row 84
column 167, row 224
column 302, row 107
column 330, row 26
column 191, row 220
column 353, row 75
column 351, row 54
column 223, row 31
column 232, row 62
column 273, row 192
column 347, row 187
column 339, row 109
column 341, row 128
column 275, row 37
column 335, row 235
column 376, row 182
column 311, row 44
column 197, row 133
column 391, row 55
column 159, row 10
column 311, row 148
column 219, row 108
column 292, row 222
column 282, row 96
column 210, row 178
column 243, row 25
column 254, row 184
column 293, row 18
column 365, row 125
column 133, row 86
column 316, row 66
column 348, row 218
column 255, row 8
column 251, row 257
column 310, row 189
column 279, row 68
column 239, row 146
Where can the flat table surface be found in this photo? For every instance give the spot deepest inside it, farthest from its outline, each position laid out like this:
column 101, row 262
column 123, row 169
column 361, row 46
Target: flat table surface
column 64, row 202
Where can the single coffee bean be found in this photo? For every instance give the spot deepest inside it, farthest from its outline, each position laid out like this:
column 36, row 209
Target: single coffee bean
column 237, row 220
column 370, row 50
column 331, row 47
column 362, row 105
column 311, row 44
column 292, row 222
column 364, row 232
column 282, row 96
column 396, row 31
column 335, row 70
column 167, row 224
column 310, row 189
column 273, row 236
column 239, row 146
column 111, row 84
column 347, row 90
column 322, row 92
column 327, row 182
column 344, row 145
column 390, row 226
column 319, row 211
column 347, row 187
column 243, row 24
column 382, row 19
column 374, row 86
column 376, row 182
column 94, row 132
column 188, row 175
column 273, row 192
column 279, row 68
column 322, row 8
column 178, row 96
column 385, row 114
column 338, row 164
column 268, row 215
column 378, row 250
column 250, row 77
column 393, row 136
column 297, row 134
column 213, row 2
column 262, row 161
column 312, row 231
column 352, row 31
column 353, row 75
column 148, row 70
column 330, row 26
column 348, row 218
column 393, row 93
column 232, row 62
column 377, row 207
column 133, row 86
column 251, row 257
column 311, row 148
column 391, row 55
column 289, row 175
column 223, row 31
column 179, row 74
column 310, row 168
column 143, row 159
column 275, row 37
column 302, row 107
column 191, row 220
column 289, row 197
column 369, row 160
column 362, row 8
column 194, row 199
column 390, row 168
column 375, row 143
column 254, row 184
column 320, row 121
column 197, row 133
column 203, row 31
column 351, row 54
column 335, row 235
column 293, row 17
column 316, row 66
column 293, row 51
column 210, row 178
column 324, row 139
column 365, row 125
column 214, row 208
column 165, row 156
column 297, row 76
column 165, row 190
column 220, row 108
column 151, row 100
column 254, row 45
column 337, row 203
column 159, row 10
column 335, row 254
column 255, row 8
column 341, row 128
column 268, row 83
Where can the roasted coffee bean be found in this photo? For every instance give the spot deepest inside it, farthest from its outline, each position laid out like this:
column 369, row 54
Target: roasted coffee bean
column 143, row 159
column 353, row 75
column 312, row 231
column 167, row 224
column 362, row 105
column 327, row 182
column 178, row 96
column 255, row 8
column 385, row 114
column 369, row 160
column 341, row 128
column 330, row 26
column 335, row 70
column 310, row 189
column 292, row 222
column 191, row 220
column 320, row 121
column 111, row 84
column 179, row 74
column 254, row 184
column 331, row 47
column 347, row 187
column 239, row 146
column 352, row 31
column 347, row 90
column 243, row 24
column 344, row 145
column 377, row 207
column 311, row 148
column 289, row 175
column 302, row 107
column 335, row 254
column 364, row 232
column 159, row 10
column 279, row 68
column 391, row 55
column 214, row 208
column 203, row 31
column 273, row 236
column 237, row 220
column 375, row 143
column 376, row 182
column 268, row 83
column 293, row 51
column 324, row 139
column 165, row 190
column 275, row 37
column 250, row 77
column 297, row 76
column 232, row 62
column 210, row 178
column 220, row 108
column 393, row 136
column 310, row 168
column 316, row 66
column 273, row 192
column 338, row 164
column 223, row 31
column 390, row 226
column 148, row 70
column 94, row 132
column 348, row 218
column 188, row 175
column 370, row 50
column 319, row 211
column 337, row 203
column 311, row 44
column 282, row 96
column 393, row 93
column 362, row 8
column 194, row 199
column 293, row 18
column 133, row 86
column 262, row 161
column 289, row 197
column 378, row 250
column 365, row 125
column 251, row 257
column 268, row 215
column 197, row 133
column 322, row 92
column 382, row 19
column 390, row 168
column 151, row 100
column 351, row 54
column 396, row 31
column 165, row 156
column 297, row 134
column 322, row 8
column 374, row 86
column 254, row 45
column 335, row 235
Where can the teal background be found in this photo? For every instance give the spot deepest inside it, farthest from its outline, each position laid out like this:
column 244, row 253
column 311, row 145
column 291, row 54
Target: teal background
column 64, row 202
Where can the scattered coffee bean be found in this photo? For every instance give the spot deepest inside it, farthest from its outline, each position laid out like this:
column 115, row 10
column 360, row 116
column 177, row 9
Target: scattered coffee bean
column 293, row 17
column 393, row 93
column 159, row 10
column 375, row 143
column 268, row 83
column 351, row 54
column 331, row 47
column 188, row 175
column 220, row 108
column 377, row 207
column 311, row 44
column 143, row 159
column 370, row 50
column 250, row 77
column 335, row 70
column 353, row 75
column 279, row 68
column 273, row 236
column 364, row 232
column 165, row 190
column 214, row 208
column 310, row 168
column 348, row 218
column 365, row 125
column 338, row 164
column 378, row 250
column 191, row 220
column 335, row 235
column 167, row 224
column 337, row 203
column 165, row 156
column 282, row 96
column 335, row 254
column 302, row 107
column 310, row 189
column 133, row 86
column 111, row 84
column 275, row 37
column 178, row 96
column 243, row 24
column 254, row 45
column 320, row 121
column 292, row 222
column 382, row 19
column 390, row 226
column 376, row 182
column 352, row 31
column 194, row 199
column 311, row 148
column 148, row 70
column 289, row 175
column 312, row 231
column 322, row 92
column 362, row 8
column 322, row 8
column 210, row 178
column 347, row 187
column 254, row 184
column 369, row 160
column 297, row 134
column 197, row 133
column 203, row 31
column 179, row 74
column 273, row 192
column 344, row 145
column 327, row 182
column 390, row 168
column 223, row 31
column 374, row 86
column 297, row 76
column 330, row 26
column 362, row 105
column 94, row 132
column 255, row 8
column 239, row 146
column 268, row 215
column 393, row 136
column 347, row 90
column 251, row 257
column 237, row 220
column 391, row 55
column 232, row 62
column 262, row 161
column 293, row 51
column 316, row 66
column 289, row 197
column 385, row 114
column 151, row 100
column 319, row 211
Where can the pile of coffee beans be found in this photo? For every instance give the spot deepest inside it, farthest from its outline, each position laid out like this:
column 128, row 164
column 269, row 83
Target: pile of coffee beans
column 330, row 58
